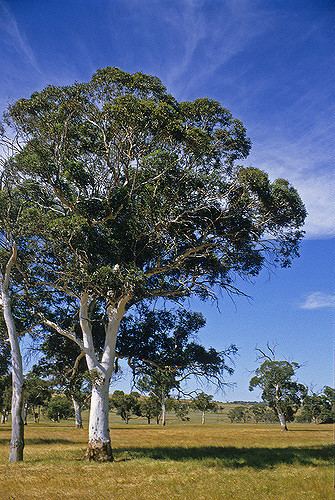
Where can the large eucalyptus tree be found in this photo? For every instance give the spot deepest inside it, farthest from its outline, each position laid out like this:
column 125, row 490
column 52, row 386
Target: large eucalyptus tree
column 136, row 196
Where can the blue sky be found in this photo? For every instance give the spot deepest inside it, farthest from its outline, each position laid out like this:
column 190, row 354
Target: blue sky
column 270, row 63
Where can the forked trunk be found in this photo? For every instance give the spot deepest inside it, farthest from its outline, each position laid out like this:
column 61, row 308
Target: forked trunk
column 77, row 413
column 282, row 421
column 99, row 442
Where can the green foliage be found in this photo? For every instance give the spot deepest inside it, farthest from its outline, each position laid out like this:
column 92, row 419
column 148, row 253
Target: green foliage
column 237, row 414
column 204, row 402
column 319, row 408
column 149, row 407
column 126, row 405
column 283, row 394
column 181, row 409
column 59, row 408
column 161, row 347
column 142, row 193
column 37, row 392
column 4, row 349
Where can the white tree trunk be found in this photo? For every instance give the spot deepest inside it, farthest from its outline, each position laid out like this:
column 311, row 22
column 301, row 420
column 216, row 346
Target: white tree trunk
column 77, row 413
column 99, row 442
column 282, row 421
column 17, row 436
column 163, row 412
column 280, row 414
column 203, row 418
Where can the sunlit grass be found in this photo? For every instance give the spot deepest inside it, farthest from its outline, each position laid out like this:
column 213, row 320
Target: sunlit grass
column 215, row 461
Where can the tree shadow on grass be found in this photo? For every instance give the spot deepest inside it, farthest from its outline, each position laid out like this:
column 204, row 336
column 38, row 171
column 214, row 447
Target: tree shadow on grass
column 258, row 458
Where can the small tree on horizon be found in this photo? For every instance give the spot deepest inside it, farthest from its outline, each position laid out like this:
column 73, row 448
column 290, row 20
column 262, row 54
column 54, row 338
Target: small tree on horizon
column 279, row 391
column 204, row 403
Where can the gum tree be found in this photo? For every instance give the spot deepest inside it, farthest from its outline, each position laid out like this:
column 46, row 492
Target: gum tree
column 204, row 403
column 138, row 196
column 279, row 390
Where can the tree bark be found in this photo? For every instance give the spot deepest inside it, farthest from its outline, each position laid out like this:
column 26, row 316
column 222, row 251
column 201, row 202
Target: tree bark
column 17, row 435
column 203, row 418
column 282, row 421
column 77, row 413
column 163, row 417
column 99, row 442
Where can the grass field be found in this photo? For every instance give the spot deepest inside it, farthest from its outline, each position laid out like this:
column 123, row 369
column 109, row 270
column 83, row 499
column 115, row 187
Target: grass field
column 181, row 461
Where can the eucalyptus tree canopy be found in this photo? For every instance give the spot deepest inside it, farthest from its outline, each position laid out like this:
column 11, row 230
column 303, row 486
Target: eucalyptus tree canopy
column 136, row 195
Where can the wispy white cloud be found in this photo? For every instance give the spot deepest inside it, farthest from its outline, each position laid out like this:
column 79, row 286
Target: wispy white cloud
column 319, row 300
column 302, row 154
column 14, row 36
column 208, row 42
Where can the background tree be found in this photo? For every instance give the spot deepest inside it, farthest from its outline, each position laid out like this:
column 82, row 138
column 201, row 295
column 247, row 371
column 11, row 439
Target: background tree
column 141, row 197
column 126, row 405
column 181, row 409
column 319, row 408
column 283, row 394
column 59, row 408
column 162, row 350
column 150, row 408
column 64, row 364
column 204, row 403
column 238, row 414
column 37, row 392
column 258, row 412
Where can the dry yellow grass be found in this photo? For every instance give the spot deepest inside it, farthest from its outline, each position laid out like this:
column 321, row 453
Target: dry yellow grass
column 189, row 461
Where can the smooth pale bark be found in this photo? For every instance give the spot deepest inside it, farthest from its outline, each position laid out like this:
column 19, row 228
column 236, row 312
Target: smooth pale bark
column 282, row 421
column 99, row 442
column 280, row 414
column 77, row 413
column 17, row 435
column 163, row 416
column 203, row 417
column 25, row 414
